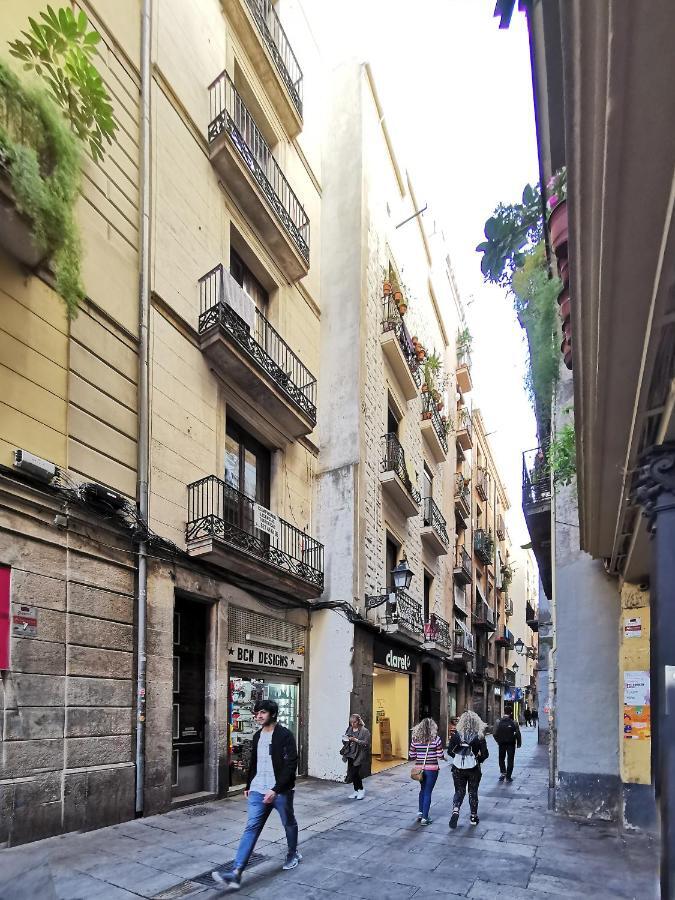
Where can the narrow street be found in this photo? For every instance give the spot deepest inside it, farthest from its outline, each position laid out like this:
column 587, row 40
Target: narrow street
column 372, row 849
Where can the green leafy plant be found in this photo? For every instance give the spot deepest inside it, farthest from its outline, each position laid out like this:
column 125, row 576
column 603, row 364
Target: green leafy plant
column 42, row 161
column 511, row 233
column 464, row 341
column 60, row 49
column 562, row 455
column 432, row 368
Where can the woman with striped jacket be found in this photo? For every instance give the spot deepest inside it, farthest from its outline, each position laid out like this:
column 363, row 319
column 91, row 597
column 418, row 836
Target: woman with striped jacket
column 426, row 749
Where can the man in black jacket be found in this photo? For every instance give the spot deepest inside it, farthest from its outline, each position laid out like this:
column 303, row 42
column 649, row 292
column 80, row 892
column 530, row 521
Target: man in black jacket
column 507, row 734
column 270, row 785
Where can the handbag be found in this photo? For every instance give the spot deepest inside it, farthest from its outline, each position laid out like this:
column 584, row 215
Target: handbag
column 417, row 772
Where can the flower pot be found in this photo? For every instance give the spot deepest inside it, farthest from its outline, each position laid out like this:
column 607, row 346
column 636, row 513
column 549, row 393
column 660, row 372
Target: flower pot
column 564, row 269
column 557, row 227
column 565, row 309
column 567, row 328
column 566, row 350
column 398, row 297
column 426, row 415
column 421, row 354
column 436, row 395
column 439, row 405
column 403, row 308
column 386, row 288
column 425, row 388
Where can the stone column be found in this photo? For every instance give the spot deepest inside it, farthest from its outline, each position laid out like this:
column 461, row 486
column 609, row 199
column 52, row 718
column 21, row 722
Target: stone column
column 656, row 493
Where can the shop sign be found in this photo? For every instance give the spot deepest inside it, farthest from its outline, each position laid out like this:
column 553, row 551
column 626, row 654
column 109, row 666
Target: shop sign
column 267, row 521
column 24, row 622
column 632, row 627
column 392, row 657
column 266, row 657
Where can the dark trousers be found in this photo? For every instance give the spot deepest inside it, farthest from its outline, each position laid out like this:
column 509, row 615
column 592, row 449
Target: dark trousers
column 463, row 779
column 507, row 755
column 354, row 775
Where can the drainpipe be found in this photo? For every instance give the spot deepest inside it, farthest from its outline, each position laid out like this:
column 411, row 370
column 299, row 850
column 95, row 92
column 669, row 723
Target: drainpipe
column 143, row 399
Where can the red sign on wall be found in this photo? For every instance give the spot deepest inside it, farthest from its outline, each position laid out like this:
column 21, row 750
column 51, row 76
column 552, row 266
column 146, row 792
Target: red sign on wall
column 5, row 572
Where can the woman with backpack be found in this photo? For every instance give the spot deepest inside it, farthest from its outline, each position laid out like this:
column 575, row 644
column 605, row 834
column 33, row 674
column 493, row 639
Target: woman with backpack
column 468, row 749
column 426, row 748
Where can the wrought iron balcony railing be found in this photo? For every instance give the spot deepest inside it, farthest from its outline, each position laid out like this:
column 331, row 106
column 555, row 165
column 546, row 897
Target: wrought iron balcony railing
column 392, row 320
column 483, row 614
column 481, row 664
column 464, row 422
column 463, row 641
column 536, row 478
column 510, row 676
column 463, row 358
column 434, row 519
column 394, row 461
column 506, row 638
column 430, row 411
column 217, row 510
column 399, row 609
column 437, row 631
column 482, row 482
column 229, row 113
column 277, row 43
column 501, row 529
column 463, row 564
column 483, row 545
column 262, row 343
column 462, row 489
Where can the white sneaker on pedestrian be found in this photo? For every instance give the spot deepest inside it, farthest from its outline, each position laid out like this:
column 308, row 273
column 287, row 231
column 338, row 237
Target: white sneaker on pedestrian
column 292, row 861
column 360, row 794
column 354, row 795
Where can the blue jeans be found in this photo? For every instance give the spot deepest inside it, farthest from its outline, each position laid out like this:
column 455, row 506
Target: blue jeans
column 429, row 777
column 258, row 814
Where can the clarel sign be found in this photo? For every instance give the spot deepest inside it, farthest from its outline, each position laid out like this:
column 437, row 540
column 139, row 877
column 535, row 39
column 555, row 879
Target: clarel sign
column 263, row 657
column 392, row 657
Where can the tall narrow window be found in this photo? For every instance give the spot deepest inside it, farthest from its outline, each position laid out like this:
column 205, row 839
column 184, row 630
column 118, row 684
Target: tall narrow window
column 428, row 482
column 247, row 464
column 392, row 421
column 428, row 582
column 391, row 558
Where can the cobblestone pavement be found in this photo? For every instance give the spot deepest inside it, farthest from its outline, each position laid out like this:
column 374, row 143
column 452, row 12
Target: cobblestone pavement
column 371, row 849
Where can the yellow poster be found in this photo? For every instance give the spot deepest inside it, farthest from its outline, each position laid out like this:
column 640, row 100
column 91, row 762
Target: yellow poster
column 636, row 706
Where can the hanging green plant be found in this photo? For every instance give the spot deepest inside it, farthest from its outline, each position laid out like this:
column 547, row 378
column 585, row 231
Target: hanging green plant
column 562, row 455
column 41, row 160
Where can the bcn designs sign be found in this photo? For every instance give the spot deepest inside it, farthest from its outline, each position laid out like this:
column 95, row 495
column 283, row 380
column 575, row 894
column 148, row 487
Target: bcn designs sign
column 392, row 657
column 265, row 657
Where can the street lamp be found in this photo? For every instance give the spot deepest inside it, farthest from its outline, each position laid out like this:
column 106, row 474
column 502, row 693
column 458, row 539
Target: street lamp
column 519, row 646
column 515, row 667
column 402, row 575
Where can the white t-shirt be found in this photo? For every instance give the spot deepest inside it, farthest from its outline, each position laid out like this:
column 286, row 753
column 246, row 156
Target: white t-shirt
column 264, row 777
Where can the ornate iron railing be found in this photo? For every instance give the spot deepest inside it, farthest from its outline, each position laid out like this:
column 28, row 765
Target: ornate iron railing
column 277, row 43
column 482, row 482
column 536, row 477
column 434, row 519
column 394, row 461
column 217, row 510
column 464, row 422
column 229, row 113
column 501, row 530
column 463, row 641
column 437, row 631
column 430, row 411
column 510, row 676
column 463, row 561
column 263, row 344
column 483, row 544
column 392, row 320
column 399, row 609
column 462, row 489
column 483, row 614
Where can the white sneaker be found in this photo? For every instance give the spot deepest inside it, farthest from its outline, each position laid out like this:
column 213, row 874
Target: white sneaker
column 354, row 795
column 360, row 794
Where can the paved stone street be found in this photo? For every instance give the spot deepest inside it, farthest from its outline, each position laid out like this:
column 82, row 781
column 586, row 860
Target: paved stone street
column 371, row 849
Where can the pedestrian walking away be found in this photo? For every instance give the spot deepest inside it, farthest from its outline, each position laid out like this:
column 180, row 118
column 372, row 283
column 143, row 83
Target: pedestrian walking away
column 270, row 785
column 535, row 716
column 356, row 750
column 508, row 737
column 426, row 749
column 528, row 717
column 468, row 749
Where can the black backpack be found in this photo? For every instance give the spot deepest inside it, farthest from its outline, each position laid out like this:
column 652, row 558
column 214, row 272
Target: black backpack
column 506, row 731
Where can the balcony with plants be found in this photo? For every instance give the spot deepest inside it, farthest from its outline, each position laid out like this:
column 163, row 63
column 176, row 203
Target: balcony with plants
column 463, row 642
column 234, row 533
column 500, row 527
column 463, row 569
column 243, row 159
column 434, row 531
column 462, row 501
column 484, row 546
column 245, row 349
column 395, row 340
column 464, row 429
column 536, row 500
column 435, row 425
column 463, row 372
column 437, row 635
column 398, row 478
column 397, row 613
column 267, row 45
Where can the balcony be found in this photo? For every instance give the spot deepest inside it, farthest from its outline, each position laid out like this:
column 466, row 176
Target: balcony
column 484, row 546
column 270, row 51
column 459, row 601
column 437, row 635
column 243, row 159
column 398, row 613
column 505, row 639
column 251, row 354
column 463, row 372
column 223, row 529
column 531, row 617
column 537, row 510
column 482, row 482
column 396, row 479
column 434, row 532
column 510, row 677
column 464, row 431
column 399, row 351
column 463, row 643
column 462, row 501
column 483, row 616
column 434, row 428
column 481, row 664
column 500, row 528
column 463, row 571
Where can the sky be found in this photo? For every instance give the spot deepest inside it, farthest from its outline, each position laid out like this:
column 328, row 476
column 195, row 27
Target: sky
column 456, row 92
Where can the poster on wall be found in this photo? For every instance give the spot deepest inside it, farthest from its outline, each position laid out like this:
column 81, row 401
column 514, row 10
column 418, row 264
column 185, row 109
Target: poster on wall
column 632, row 626
column 636, row 706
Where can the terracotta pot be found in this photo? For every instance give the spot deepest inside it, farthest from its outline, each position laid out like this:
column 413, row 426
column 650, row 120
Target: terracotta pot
column 439, row 405
column 415, row 340
column 421, row 354
column 564, row 269
column 567, row 328
column 565, row 309
column 557, row 227
column 386, row 288
column 398, row 297
column 566, row 350
column 426, row 415
column 425, row 389
column 403, row 308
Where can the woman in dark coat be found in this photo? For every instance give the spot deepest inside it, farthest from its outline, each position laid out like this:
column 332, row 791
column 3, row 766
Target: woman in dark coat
column 356, row 750
column 468, row 750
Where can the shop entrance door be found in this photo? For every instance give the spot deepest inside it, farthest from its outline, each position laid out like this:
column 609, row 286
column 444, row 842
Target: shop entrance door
column 430, row 700
column 189, row 685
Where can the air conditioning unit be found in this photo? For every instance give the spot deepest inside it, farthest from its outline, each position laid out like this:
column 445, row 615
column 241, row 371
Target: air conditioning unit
column 34, row 466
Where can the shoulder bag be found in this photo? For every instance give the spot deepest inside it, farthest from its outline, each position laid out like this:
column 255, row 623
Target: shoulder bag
column 417, row 772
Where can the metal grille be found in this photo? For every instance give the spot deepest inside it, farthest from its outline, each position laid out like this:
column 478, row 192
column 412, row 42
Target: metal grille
column 434, row 519
column 263, row 630
column 392, row 320
column 273, row 34
column 430, row 411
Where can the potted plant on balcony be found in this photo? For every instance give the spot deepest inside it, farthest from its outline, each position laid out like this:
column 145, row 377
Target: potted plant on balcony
column 556, row 191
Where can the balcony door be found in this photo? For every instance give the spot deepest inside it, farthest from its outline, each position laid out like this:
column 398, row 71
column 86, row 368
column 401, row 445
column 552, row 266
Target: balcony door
column 427, row 483
column 391, row 559
column 247, row 473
